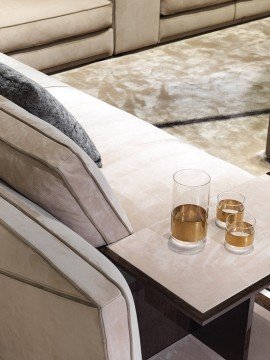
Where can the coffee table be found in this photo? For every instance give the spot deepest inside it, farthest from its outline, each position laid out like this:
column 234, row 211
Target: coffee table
column 209, row 295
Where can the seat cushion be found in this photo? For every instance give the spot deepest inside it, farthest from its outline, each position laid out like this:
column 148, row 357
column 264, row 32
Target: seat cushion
column 38, row 101
column 29, row 23
column 169, row 7
column 190, row 22
column 69, row 52
column 48, row 168
column 139, row 160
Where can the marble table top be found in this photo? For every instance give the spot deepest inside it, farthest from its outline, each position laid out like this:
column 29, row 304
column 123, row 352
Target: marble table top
column 211, row 277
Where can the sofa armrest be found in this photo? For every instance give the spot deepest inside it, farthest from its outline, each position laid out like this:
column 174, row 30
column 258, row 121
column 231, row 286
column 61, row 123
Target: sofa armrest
column 136, row 24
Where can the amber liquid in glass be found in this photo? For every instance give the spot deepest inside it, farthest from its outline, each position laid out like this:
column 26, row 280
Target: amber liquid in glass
column 189, row 223
column 240, row 234
column 227, row 207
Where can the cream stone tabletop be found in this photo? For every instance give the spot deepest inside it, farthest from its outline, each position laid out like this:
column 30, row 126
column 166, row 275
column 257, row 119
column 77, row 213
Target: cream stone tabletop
column 207, row 279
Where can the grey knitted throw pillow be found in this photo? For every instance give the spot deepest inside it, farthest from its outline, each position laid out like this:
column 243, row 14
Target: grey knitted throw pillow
column 38, row 101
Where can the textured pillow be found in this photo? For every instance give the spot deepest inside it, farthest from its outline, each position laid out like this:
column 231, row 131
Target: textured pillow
column 48, row 168
column 38, row 101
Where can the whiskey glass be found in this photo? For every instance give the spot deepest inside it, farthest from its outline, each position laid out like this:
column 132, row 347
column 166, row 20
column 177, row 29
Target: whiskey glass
column 228, row 203
column 240, row 232
column 191, row 189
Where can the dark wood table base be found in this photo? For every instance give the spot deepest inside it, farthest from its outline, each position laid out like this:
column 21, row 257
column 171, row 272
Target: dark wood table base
column 263, row 301
column 268, row 143
column 229, row 335
column 162, row 322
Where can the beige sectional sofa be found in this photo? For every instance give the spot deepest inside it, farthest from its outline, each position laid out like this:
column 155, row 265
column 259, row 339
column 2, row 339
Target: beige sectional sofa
column 61, row 298
column 54, row 34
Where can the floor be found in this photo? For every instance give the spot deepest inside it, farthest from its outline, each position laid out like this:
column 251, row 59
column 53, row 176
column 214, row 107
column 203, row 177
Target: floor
column 212, row 90
column 190, row 348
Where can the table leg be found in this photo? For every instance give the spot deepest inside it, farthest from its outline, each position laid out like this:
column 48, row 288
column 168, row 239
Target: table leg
column 160, row 323
column 229, row 334
column 268, row 143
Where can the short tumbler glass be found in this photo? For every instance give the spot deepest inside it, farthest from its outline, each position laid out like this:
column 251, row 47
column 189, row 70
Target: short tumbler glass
column 240, row 231
column 189, row 216
column 228, row 203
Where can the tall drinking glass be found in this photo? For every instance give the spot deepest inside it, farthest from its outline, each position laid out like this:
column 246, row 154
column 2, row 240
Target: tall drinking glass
column 191, row 189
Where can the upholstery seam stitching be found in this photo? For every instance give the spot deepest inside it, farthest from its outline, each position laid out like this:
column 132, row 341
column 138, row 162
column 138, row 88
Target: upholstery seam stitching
column 81, row 161
column 55, row 17
column 46, row 288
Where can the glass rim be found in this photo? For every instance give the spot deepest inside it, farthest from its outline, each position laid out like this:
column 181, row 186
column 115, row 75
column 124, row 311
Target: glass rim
column 232, row 192
column 192, row 186
column 244, row 220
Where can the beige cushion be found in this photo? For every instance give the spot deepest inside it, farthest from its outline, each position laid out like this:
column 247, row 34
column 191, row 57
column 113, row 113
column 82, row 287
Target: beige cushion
column 168, row 7
column 139, row 160
column 29, row 23
column 60, row 298
column 65, row 53
column 194, row 21
column 246, row 8
column 47, row 167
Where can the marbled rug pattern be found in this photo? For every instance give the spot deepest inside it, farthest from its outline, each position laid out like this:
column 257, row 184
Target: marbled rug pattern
column 223, row 72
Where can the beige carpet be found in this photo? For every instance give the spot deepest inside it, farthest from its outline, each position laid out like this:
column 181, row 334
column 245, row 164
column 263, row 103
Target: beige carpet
column 239, row 141
column 219, row 75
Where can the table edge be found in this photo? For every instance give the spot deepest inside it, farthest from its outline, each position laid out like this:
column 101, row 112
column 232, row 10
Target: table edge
column 200, row 317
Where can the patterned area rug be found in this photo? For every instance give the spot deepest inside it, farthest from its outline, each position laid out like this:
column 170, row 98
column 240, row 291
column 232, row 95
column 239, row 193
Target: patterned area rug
column 223, row 75
column 218, row 74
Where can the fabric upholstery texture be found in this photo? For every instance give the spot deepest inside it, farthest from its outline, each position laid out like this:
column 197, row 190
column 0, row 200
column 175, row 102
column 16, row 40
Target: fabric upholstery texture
column 139, row 160
column 168, row 7
column 36, row 100
column 61, row 297
column 64, row 53
column 136, row 24
column 184, row 23
column 47, row 167
column 246, row 8
column 79, row 246
column 42, row 22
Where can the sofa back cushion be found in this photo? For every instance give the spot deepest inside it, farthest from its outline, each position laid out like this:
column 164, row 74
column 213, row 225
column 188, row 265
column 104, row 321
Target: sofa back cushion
column 63, row 305
column 35, row 99
column 48, row 168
